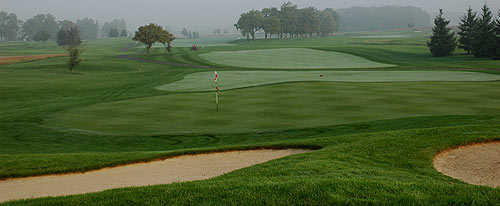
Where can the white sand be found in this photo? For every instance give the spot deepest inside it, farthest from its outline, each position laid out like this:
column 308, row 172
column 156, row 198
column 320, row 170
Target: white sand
column 178, row 169
column 477, row 164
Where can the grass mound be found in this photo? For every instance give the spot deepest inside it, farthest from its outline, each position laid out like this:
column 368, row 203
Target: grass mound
column 290, row 58
column 203, row 81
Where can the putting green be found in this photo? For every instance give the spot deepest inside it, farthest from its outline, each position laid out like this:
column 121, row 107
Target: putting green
column 202, row 81
column 282, row 106
column 290, row 58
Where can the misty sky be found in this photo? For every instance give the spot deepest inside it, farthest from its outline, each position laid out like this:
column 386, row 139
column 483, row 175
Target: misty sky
column 200, row 14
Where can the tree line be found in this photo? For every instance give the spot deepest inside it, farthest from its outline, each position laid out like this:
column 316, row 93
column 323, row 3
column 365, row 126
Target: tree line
column 357, row 19
column 190, row 34
column 478, row 34
column 288, row 21
column 44, row 27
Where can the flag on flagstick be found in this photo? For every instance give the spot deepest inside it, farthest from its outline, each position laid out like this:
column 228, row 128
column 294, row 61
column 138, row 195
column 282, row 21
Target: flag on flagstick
column 217, row 90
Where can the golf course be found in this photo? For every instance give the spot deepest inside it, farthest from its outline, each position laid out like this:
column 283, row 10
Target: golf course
column 351, row 119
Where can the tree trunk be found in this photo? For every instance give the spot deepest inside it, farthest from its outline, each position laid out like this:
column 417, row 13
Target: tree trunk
column 169, row 47
column 149, row 48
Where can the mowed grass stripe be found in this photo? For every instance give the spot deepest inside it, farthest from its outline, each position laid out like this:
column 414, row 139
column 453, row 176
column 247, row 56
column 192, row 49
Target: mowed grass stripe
column 203, row 81
column 283, row 106
column 290, row 58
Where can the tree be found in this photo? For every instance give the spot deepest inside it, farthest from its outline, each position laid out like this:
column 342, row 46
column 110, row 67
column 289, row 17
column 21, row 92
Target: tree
column 68, row 35
column 39, row 23
column 250, row 23
column 467, row 29
column 443, row 41
column 69, row 39
column 185, row 32
column 484, row 43
column 166, row 38
column 271, row 26
column 41, row 36
column 498, row 35
column 327, row 23
column 288, row 19
column 9, row 26
column 118, row 24
column 124, row 33
column 113, row 33
column 89, row 28
column 149, row 34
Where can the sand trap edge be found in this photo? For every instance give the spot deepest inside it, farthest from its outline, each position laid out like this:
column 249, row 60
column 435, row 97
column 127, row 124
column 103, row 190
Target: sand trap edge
column 441, row 158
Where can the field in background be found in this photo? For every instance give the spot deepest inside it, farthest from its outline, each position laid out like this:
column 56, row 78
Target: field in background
column 377, row 139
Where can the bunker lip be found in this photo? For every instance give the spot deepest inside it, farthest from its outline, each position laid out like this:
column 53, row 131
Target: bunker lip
column 476, row 164
column 188, row 167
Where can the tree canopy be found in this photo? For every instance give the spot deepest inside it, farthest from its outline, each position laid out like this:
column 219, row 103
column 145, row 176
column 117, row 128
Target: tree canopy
column 89, row 28
column 41, row 23
column 288, row 22
column 151, row 34
column 9, row 26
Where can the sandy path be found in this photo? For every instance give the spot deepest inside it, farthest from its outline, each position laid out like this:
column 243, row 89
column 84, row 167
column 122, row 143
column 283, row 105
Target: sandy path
column 15, row 59
column 477, row 164
column 178, row 169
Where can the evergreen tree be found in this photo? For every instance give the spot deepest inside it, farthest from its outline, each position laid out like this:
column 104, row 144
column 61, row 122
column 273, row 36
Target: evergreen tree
column 484, row 43
column 498, row 35
column 443, row 41
column 467, row 31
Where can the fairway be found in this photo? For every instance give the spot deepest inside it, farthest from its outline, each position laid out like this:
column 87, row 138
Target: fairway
column 203, row 81
column 290, row 58
column 278, row 107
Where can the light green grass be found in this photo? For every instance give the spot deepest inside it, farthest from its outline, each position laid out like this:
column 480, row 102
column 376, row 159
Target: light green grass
column 285, row 106
column 203, row 81
column 290, row 58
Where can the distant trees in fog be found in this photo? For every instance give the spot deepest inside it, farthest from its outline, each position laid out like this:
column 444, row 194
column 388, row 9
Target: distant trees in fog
column 43, row 27
column 9, row 26
column 288, row 22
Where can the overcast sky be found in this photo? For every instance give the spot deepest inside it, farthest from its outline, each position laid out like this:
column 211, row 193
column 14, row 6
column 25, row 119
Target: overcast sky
column 200, row 14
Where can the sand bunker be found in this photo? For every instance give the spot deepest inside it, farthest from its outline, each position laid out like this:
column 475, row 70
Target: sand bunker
column 178, row 169
column 15, row 59
column 477, row 164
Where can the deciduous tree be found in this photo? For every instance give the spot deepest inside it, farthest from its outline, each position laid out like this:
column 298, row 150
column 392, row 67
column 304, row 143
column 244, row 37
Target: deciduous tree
column 152, row 33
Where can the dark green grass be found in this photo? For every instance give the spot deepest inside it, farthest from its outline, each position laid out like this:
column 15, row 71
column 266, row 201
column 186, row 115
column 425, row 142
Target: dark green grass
column 368, row 162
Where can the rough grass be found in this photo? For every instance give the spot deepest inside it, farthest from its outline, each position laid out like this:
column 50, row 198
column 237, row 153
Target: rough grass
column 203, row 81
column 290, row 58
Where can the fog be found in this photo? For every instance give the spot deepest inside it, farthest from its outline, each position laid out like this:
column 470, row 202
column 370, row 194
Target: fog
column 202, row 14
